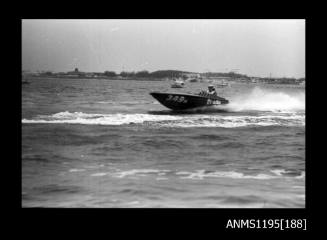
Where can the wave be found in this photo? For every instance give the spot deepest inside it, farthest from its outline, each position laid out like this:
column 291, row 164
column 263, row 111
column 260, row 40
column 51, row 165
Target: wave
column 56, row 188
column 194, row 120
column 141, row 172
column 161, row 174
column 76, row 170
column 237, row 121
column 201, row 174
column 290, row 173
column 97, row 119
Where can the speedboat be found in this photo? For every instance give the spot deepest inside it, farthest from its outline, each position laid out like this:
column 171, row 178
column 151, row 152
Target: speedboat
column 222, row 84
column 178, row 84
column 183, row 101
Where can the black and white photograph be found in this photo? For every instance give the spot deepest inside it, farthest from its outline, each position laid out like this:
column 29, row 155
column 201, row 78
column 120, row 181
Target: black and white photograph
column 163, row 113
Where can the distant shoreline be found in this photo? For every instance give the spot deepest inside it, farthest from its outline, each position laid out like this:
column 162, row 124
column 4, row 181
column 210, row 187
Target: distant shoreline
column 152, row 79
column 163, row 75
column 96, row 78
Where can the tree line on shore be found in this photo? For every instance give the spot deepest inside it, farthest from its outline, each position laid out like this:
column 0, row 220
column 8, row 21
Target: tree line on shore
column 146, row 74
column 124, row 74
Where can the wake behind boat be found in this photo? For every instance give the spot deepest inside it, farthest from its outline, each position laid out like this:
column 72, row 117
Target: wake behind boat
column 182, row 101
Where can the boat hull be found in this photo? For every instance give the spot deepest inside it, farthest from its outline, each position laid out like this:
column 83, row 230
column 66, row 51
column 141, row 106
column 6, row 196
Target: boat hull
column 176, row 86
column 178, row 101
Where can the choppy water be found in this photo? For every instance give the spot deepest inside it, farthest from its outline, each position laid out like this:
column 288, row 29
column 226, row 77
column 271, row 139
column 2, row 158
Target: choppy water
column 108, row 143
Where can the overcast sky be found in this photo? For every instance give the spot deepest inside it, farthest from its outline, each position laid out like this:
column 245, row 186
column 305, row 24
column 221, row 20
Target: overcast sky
column 255, row 47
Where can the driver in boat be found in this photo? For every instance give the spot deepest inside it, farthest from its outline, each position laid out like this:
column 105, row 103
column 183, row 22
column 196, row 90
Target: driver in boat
column 211, row 90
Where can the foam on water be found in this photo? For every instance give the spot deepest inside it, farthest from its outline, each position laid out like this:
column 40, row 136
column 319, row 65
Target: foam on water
column 99, row 174
column 76, row 170
column 237, row 121
column 199, row 174
column 97, row 119
column 283, row 172
column 140, row 172
column 182, row 120
column 278, row 172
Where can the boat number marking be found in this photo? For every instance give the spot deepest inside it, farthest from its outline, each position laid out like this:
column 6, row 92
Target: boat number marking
column 213, row 102
column 179, row 99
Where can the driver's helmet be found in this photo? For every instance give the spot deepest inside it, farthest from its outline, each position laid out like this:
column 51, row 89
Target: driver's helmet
column 211, row 87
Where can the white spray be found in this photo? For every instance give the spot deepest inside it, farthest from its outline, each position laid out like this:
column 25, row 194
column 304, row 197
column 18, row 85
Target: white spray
column 268, row 100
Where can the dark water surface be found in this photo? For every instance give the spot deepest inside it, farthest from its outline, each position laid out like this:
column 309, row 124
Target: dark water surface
column 108, row 143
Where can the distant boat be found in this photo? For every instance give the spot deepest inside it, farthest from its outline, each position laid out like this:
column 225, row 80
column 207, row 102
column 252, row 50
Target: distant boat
column 193, row 80
column 178, row 84
column 222, row 84
column 25, row 82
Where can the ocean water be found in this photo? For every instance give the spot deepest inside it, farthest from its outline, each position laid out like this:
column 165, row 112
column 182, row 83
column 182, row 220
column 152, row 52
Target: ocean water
column 108, row 143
